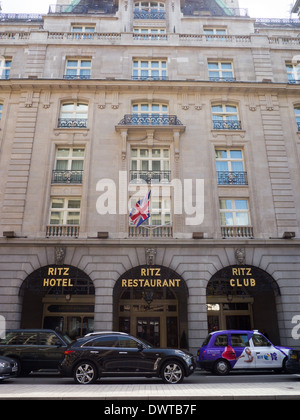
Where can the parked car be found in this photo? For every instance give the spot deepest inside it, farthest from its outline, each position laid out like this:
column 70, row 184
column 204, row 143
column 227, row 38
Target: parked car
column 293, row 362
column 8, row 368
column 222, row 351
column 34, row 349
column 119, row 354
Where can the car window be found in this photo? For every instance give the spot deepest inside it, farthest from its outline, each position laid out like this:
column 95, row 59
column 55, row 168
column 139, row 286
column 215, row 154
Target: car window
column 206, row 341
column 20, row 338
column 239, row 340
column 107, row 341
column 49, row 339
column 260, row 341
column 128, row 342
column 221, row 340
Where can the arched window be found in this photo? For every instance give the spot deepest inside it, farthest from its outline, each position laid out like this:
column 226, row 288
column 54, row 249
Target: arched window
column 73, row 115
column 225, row 117
column 150, row 113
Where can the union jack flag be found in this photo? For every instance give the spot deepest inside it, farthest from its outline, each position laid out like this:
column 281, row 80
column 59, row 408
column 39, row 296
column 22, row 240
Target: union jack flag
column 140, row 212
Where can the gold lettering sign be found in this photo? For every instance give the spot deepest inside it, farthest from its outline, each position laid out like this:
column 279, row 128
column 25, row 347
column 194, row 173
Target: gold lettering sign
column 150, row 277
column 58, row 276
column 242, row 277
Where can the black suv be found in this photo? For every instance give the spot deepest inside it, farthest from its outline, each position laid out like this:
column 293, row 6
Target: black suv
column 34, row 349
column 119, row 354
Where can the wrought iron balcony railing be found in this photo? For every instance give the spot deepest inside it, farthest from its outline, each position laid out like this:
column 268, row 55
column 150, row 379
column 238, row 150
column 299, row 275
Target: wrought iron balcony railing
column 149, row 14
column 150, row 78
column 232, row 178
column 71, row 231
column 294, row 81
column 222, row 79
column 72, row 123
column 150, row 120
column 227, row 125
column 67, row 177
column 150, row 176
column 77, row 77
column 237, row 232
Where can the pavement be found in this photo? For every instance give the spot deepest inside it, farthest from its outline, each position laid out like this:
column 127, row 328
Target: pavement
column 130, row 390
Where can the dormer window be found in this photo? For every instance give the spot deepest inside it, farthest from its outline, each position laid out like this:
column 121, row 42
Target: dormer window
column 149, row 10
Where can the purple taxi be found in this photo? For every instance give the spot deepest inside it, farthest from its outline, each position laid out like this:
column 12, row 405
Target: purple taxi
column 223, row 351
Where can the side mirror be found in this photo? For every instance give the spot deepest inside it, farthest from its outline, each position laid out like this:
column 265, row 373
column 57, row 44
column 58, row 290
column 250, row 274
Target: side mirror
column 140, row 347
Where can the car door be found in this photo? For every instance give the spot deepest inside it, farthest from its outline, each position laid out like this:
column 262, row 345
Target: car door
column 266, row 355
column 132, row 357
column 50, row 350
column 244, row 357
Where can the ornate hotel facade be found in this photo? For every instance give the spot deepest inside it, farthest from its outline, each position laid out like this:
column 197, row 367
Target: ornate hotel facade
column 103, row 101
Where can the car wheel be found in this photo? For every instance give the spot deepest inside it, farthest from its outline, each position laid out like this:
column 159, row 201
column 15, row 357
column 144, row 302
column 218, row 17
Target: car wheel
column 221, row 367
column 172, row 372
column 85, row 373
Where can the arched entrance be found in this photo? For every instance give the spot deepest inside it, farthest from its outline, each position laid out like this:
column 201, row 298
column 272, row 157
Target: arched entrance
column 58, row 297
column 243, row 297
column 150, row 302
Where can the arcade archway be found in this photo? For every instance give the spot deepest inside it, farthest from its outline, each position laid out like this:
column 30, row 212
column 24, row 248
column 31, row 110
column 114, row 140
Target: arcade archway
column 58, row 297
column 150, row 302
column 243, row 297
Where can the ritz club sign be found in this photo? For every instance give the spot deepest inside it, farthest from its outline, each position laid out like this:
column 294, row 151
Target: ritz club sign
column 242, row 276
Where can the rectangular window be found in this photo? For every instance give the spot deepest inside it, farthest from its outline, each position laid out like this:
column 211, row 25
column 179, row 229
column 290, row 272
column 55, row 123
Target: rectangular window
column 234, row 212
column 220, row 71
column 65, row 211
column 230, row 167
column 150, row 165
column 149, row 70
column 293, row 72
column 5, row 65
column 68, row 165
column 78, row 69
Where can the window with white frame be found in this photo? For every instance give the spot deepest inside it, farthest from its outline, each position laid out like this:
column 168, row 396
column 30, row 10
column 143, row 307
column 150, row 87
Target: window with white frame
column 234, row 212
column 73, row 115
column 160, row 212
column 297, row 115
column 220, row 71
column 78, row 69
column 65, row 211
column 83, row 31
column 214, row 31
column 150, row 33
column 230, row 167
column 293, row 72
column 149, row 10
column 68, row 165
column 5, row 65
column 150, row 165
column 148, row 113
column 149, row 70
column 225, row 116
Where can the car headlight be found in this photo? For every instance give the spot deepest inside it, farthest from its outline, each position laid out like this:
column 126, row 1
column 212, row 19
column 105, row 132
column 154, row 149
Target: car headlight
column 4, row 365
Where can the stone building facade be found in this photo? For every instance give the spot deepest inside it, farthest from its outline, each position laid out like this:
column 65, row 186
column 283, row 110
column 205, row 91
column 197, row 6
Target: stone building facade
column 103, row 101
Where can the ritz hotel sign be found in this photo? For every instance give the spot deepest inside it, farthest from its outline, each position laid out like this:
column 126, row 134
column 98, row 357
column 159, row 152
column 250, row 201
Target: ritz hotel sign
column 58, row 277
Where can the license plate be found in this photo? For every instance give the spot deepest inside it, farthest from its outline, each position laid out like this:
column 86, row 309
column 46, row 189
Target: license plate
column 293, row 356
